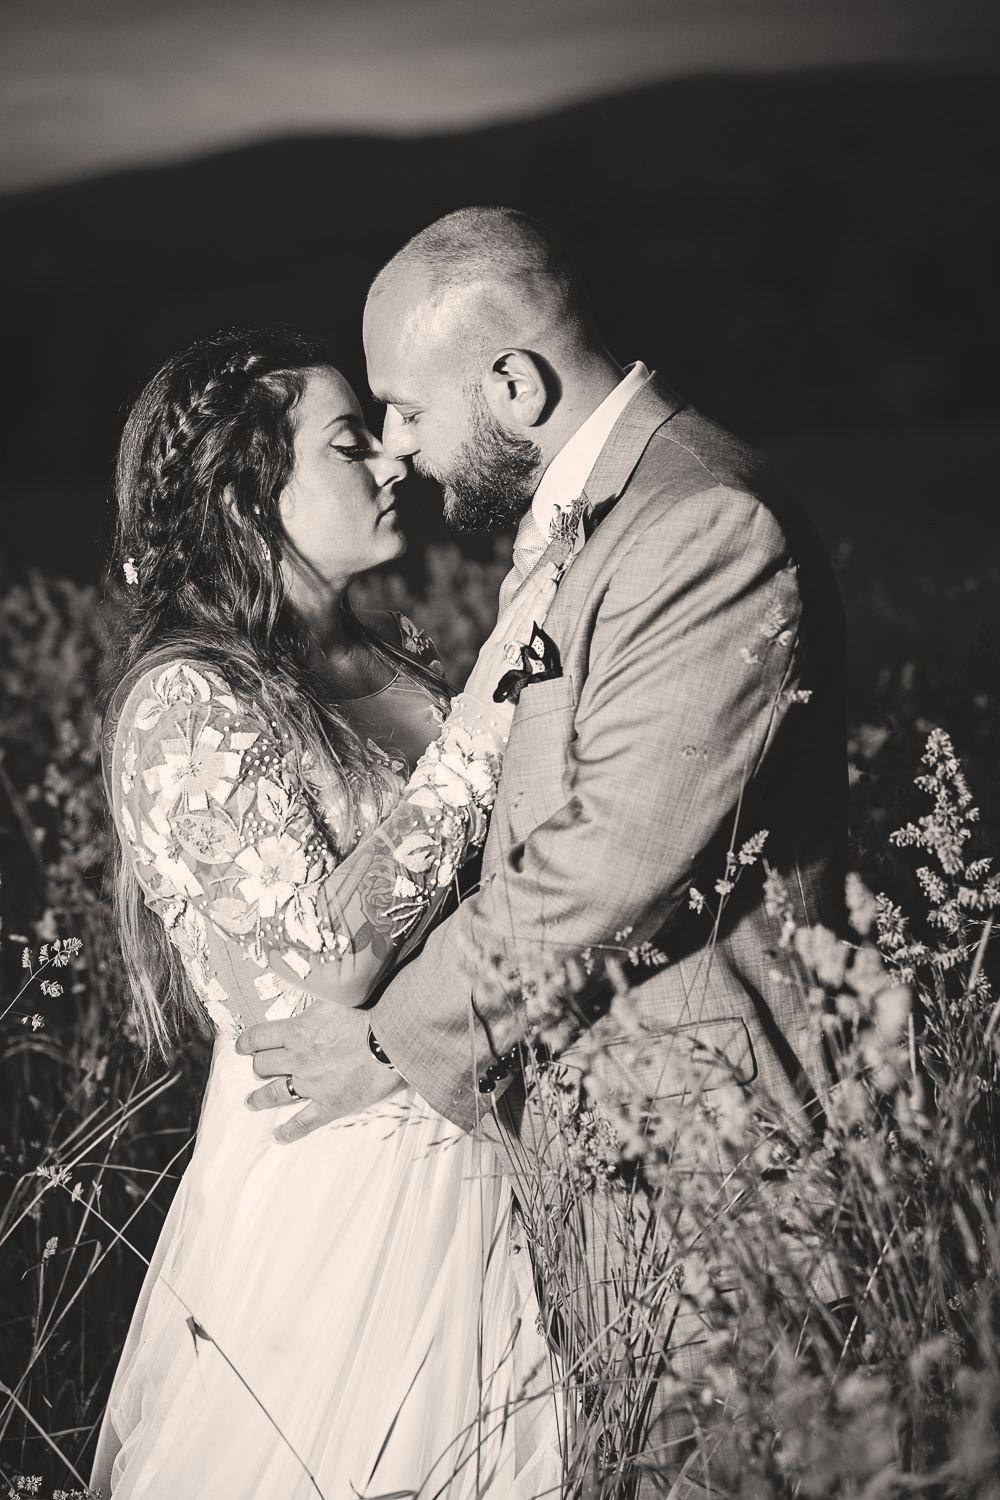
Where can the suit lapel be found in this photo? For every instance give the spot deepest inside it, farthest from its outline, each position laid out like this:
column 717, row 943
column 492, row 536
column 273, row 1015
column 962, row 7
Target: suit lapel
column 648, row 410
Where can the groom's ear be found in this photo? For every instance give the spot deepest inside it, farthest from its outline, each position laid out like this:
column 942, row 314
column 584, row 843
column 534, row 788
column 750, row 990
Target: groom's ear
column 517, row 388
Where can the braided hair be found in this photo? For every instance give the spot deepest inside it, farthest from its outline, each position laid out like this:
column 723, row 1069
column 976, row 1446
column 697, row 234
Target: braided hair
column 206, row 452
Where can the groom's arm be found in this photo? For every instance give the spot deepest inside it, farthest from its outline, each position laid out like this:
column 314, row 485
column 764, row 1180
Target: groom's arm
column 694, row 663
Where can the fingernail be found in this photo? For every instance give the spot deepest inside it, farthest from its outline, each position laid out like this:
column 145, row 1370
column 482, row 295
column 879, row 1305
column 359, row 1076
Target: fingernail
column 247, row 1103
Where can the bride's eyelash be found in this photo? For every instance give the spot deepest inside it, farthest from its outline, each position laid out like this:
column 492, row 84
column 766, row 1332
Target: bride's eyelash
column 352, row 450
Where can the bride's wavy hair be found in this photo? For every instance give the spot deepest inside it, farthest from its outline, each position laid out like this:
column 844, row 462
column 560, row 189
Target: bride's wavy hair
column 207, row 451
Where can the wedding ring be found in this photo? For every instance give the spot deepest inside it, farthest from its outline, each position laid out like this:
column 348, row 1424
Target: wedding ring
column 513, row 652
column 293, row 1092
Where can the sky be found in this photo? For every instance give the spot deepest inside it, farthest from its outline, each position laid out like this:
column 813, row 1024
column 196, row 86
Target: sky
column 88, row 86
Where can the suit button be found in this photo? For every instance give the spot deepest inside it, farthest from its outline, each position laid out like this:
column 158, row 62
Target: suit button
column 486, row 1084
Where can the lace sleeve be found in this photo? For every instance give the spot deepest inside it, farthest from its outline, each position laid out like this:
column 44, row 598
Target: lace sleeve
column 212, row 808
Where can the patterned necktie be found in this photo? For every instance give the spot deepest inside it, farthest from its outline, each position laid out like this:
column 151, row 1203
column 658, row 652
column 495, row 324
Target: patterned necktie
column 531, row 547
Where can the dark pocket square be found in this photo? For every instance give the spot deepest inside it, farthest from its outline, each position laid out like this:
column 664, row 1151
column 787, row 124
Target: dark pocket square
column 540, row 663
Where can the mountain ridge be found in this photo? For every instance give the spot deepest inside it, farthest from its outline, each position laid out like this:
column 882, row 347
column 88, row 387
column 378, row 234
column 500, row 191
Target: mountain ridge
column 794, row 252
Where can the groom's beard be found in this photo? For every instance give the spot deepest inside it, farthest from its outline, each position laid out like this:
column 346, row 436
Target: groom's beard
column 490, row 482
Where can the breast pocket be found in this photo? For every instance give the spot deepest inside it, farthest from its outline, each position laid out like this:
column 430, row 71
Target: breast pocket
column 535, row 779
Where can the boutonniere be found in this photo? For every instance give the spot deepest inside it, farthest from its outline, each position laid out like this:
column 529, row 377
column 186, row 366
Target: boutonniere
column 539, row 663
column 564, row 528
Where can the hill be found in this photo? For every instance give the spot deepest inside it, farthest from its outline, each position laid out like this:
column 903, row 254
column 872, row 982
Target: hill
column 800, row 254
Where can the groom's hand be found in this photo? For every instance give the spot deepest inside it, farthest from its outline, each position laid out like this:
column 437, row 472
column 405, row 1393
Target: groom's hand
column 325, row 1052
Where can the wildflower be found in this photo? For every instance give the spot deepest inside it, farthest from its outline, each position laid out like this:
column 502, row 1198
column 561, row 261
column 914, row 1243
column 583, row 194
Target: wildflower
column 66, row 949
column 36, row 1022
column 26, row 959
column 644, row 955
column 51, row 1246
column 824, row 953
column 696, row 900
column 892, row 1007
column 52, row 988
column 753, row 847
column 58, row 1176
column 933, row 886
column 731, row 1112
column 867, row 975
column 131, row 572
column 696, row 1279
column 860, row 904
column 848, row 1104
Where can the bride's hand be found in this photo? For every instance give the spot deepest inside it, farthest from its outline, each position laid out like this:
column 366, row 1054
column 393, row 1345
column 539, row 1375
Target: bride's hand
column 513, row 628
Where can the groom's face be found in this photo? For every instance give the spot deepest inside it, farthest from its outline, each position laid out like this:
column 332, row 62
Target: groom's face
column 442, row 422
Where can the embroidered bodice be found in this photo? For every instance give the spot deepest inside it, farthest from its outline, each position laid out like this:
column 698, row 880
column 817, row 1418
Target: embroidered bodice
column 248, row 857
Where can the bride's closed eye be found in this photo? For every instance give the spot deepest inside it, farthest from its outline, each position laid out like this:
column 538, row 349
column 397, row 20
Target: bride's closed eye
column 353, row 451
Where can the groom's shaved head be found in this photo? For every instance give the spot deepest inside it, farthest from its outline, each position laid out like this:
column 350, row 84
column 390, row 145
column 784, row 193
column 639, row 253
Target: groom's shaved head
column 484, row 275
column 481, row 344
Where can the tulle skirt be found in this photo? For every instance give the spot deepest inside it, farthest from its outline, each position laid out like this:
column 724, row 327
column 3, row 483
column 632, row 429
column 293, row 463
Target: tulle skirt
column 348, row 1316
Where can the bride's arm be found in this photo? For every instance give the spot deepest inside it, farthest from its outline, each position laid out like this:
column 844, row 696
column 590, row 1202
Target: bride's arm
column 218, row 823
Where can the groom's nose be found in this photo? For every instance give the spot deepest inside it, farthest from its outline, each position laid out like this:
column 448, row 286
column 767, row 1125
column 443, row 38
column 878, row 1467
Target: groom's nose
column 398, row 438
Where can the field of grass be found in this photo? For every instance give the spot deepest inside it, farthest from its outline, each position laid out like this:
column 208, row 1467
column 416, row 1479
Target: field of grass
column 904, row 1396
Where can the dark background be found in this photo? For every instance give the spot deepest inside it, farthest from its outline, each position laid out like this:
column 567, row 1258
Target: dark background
column 808, row 254
column 810, row 258
column 796, row 220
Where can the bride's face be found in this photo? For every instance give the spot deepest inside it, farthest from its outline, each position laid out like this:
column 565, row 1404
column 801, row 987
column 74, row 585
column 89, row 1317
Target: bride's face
column 338, row 508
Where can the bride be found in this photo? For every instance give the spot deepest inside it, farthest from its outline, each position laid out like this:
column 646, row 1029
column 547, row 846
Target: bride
column 293, row 794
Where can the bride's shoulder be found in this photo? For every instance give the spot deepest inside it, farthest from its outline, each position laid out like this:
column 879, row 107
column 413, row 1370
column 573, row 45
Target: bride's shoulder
column 168, row 681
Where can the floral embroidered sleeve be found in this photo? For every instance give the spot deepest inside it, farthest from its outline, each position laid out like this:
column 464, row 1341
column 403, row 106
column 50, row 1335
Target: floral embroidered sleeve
column 213, row 810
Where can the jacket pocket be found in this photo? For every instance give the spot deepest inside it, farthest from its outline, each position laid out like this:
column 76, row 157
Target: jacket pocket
column 537, row 759
column 691, row 1059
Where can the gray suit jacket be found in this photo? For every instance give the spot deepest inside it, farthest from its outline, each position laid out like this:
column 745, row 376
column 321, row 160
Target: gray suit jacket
column 699, row 614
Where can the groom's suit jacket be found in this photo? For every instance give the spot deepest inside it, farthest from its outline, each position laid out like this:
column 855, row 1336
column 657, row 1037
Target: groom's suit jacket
column 701, row 643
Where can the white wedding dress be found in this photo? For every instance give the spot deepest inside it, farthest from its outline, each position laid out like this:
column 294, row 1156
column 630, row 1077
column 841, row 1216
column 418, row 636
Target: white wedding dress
column 352, row 1315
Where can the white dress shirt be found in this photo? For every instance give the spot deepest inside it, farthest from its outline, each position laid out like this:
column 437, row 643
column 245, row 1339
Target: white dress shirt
column 564, row 479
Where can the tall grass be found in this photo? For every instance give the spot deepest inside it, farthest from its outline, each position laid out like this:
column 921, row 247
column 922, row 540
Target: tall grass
column 886, row 1384
column 89, row 1150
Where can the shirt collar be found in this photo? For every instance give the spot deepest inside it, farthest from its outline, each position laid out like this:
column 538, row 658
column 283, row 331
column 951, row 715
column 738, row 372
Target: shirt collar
column 568, row 472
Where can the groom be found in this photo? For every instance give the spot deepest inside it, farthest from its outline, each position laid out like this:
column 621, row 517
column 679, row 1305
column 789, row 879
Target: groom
column 698, row 646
